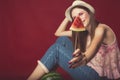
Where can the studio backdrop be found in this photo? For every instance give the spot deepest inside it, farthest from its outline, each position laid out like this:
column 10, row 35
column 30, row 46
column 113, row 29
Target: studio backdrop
column 27, row 30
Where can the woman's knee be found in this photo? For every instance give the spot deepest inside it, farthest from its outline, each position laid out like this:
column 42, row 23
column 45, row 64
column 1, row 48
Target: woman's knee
column 65, row 42
column 62, row 39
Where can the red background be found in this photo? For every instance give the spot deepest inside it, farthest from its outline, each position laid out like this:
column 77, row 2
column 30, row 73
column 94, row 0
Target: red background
column 27, row 30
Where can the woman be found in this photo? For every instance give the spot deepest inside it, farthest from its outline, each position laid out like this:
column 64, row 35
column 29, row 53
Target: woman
column 101, row 57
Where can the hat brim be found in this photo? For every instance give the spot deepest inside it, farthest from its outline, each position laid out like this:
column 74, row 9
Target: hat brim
column 78, row 3
column 68, row 13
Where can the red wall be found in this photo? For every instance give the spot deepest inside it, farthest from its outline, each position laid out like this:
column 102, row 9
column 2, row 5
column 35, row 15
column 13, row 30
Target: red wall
column 27, row 29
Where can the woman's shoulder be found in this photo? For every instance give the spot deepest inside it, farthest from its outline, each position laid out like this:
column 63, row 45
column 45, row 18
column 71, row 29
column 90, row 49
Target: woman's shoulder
column 101, row 25
column 101, row 28
column 104, row 27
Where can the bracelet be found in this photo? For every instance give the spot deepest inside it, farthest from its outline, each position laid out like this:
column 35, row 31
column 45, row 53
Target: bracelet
column 85, row 58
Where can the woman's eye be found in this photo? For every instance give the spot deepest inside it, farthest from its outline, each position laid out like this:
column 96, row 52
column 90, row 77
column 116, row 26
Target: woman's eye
column 80, row 14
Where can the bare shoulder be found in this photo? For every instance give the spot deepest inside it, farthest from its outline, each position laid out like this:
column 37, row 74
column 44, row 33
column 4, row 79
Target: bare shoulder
column 102, row 26
column 100, row 29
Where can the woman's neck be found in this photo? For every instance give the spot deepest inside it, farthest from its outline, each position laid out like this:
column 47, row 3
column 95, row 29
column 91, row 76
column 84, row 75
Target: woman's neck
column 88, row 28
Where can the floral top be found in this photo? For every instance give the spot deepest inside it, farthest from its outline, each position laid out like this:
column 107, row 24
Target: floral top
column 107, row 61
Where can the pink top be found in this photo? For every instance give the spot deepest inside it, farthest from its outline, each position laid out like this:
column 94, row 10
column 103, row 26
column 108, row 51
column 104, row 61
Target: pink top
column 107, row 61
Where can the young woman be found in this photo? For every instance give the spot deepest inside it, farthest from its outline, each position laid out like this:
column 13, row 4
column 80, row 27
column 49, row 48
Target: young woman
column 100, row 58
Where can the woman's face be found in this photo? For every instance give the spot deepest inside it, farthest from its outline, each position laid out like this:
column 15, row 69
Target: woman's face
column 84, row 16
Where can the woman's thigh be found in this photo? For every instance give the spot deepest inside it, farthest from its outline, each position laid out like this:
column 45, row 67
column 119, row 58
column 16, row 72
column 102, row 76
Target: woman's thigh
column 60, row 53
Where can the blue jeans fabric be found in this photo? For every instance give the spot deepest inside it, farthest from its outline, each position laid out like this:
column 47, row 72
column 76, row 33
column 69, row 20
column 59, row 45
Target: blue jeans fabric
column 60, row 53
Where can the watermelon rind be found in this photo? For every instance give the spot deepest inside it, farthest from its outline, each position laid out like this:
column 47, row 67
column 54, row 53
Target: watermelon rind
column 77, row 29
column 52, row 76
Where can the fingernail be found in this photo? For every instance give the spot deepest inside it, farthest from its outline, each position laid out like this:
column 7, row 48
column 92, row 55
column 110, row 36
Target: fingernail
column 70, row 66
column 73, row 55
column 69, row 62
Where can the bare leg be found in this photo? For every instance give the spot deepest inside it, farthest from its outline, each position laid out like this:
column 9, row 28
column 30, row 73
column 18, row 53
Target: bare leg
column 37, row 73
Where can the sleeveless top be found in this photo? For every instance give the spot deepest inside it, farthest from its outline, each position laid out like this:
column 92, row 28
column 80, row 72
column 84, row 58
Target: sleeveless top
column 106, row 62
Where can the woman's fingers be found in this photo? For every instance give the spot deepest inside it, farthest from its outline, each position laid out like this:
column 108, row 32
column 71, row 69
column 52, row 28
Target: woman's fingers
column 76, row 52
column 78, row 60
column 75, row 59
column 79, row 63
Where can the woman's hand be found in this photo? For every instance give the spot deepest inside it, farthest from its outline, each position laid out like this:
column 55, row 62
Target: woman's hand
column 78, row 59
column 61, row 31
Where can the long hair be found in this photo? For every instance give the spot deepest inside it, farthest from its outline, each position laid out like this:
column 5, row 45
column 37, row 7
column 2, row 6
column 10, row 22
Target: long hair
column 94, row 23
column 80, row 38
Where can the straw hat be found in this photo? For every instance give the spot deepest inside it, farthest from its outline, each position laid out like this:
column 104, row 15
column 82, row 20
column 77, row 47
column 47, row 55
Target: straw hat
column 78, row 3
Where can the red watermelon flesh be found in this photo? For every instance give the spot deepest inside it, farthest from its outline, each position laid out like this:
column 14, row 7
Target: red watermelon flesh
column 77, row 25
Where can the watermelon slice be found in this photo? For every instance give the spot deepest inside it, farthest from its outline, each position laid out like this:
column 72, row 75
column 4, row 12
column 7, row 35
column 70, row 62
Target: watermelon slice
column 77, row 25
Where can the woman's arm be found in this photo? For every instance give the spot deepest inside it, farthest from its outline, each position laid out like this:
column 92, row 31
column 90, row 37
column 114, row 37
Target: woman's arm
column 99, row 36
column 61, row 31
column 93, row 48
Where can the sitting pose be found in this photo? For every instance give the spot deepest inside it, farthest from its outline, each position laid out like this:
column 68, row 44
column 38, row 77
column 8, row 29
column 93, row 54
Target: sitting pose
column 97, row 59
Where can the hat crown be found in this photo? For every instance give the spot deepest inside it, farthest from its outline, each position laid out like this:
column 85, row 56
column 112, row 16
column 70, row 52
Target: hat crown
column 82, row 3
column 78, row 3
column 78, row 0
